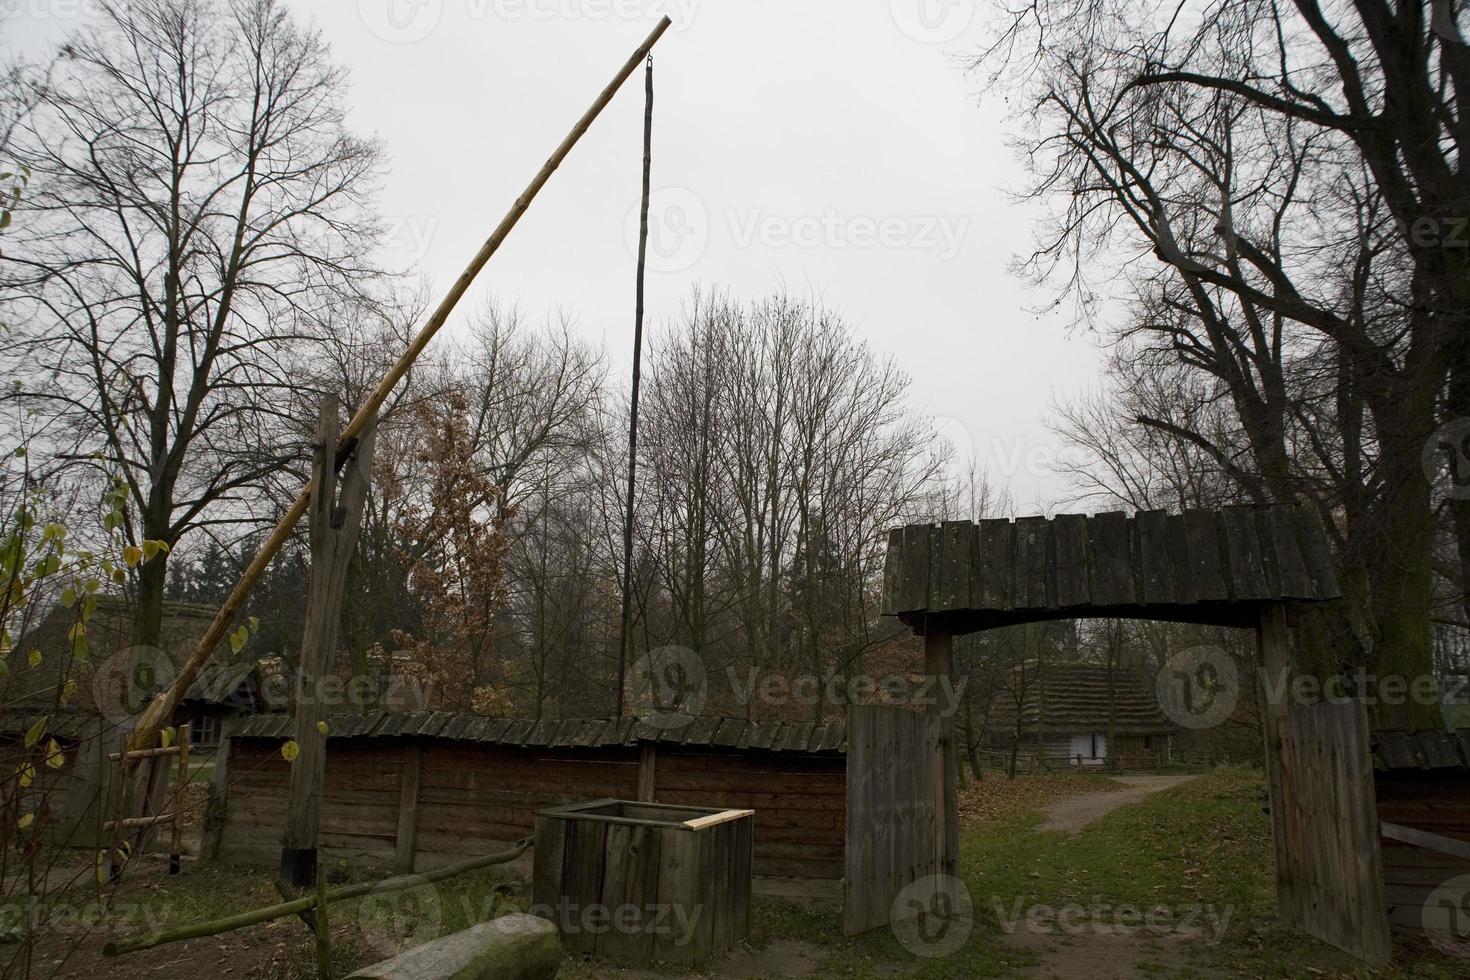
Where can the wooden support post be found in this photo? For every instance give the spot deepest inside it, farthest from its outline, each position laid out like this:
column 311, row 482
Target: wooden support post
column 322, row 930
column 1274, row 661
column 408, row 810
column 334, row 528
column 181, row 784
column 216, row 805
column 647, row 774
column 119, row 802
column 939, row 663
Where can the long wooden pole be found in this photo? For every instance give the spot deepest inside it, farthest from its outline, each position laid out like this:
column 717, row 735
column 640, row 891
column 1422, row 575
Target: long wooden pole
column 627, row 608
column 162, row 707
column 198, row 930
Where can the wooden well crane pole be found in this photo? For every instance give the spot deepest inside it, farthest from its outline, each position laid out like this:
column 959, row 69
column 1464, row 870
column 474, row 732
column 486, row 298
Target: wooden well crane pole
column 161, row 708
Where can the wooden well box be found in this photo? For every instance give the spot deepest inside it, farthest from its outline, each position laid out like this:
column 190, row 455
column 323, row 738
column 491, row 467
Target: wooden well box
column 644, row 882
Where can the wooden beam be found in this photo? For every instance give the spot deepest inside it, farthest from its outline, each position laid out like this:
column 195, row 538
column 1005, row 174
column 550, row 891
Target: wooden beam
column 318, row 643
column 1426, row 840
column 181, row 784
column 1273, row 643
column 133, row 944
column 939, row 663
column 216, row 804
column 408, row 810
column 647, row 774
column 145, row 753
column 162, row 707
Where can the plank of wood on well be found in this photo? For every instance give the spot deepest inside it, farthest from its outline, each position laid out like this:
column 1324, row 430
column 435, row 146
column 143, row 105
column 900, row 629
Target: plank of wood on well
column 677, row 879
column 620, row 875
column 1035, row 568
column 1151, row 556
column 1110, row 570
column 1243, row 551
column 550, row 850
column 1070, row 532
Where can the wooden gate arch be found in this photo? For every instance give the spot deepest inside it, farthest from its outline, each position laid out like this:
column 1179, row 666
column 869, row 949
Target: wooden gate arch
column 1241, row 566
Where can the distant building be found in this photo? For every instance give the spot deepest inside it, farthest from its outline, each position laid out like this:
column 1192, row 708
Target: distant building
column 118, row 679
column 1067, row 712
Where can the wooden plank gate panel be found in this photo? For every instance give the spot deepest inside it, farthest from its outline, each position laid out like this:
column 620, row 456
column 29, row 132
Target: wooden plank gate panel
column 892, row 810
column 1332, row 871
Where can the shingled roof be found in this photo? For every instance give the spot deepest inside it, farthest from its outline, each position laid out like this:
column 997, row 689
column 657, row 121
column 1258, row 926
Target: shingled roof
column 110, row 631
column 1421, row 750
column 1072, row 699
column 711, row 732
column 1201, row 566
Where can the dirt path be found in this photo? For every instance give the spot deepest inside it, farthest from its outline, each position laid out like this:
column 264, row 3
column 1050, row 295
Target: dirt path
column 1075, row 812
column 1110, row 957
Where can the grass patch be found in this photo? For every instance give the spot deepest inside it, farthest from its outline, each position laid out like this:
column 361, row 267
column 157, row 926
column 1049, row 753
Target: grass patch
column 1201, row 849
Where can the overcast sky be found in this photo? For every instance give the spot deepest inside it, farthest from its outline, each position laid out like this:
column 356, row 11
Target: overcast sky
column 833, row 148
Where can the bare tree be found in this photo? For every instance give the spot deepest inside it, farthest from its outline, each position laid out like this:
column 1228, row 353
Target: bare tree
column 1276, row 161
column 198, row 208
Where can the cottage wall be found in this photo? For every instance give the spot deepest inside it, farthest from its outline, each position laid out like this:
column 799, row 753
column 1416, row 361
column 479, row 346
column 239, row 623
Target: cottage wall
column 475, row 798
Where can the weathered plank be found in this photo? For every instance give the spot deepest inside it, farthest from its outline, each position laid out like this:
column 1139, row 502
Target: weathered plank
column 1035, row 567
column 991, row 588
column 1243, row 551
column 1277, row 525
column 895, row 789
column 1333, row 866
column 408, row 810
column 952, row 588
column 1110, row 568
column 893, row 572
column 1180, row 563
column 1070, row 534
column 1316, row 554
column 1207, row 573
column 914, row 574
column 1151, row 556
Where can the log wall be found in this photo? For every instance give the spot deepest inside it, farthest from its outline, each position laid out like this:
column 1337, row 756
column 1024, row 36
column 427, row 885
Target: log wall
column 1434, row 801
column 800, row 804
column 472, row 799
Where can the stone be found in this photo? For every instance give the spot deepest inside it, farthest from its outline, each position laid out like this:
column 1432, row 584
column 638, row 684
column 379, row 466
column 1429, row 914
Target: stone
column 512, row 947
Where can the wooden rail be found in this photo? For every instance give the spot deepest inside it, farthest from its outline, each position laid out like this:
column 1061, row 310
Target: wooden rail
column 198, row 930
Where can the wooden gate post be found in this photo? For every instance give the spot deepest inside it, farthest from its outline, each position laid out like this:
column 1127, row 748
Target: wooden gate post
column 1274, row 662
column 334, row 526
column 647, row 773
column 939, row 665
